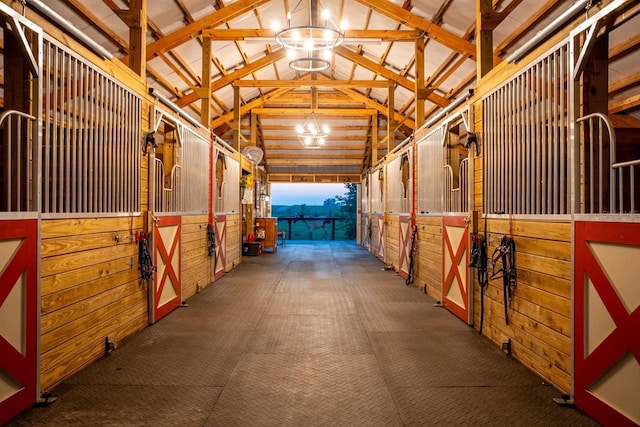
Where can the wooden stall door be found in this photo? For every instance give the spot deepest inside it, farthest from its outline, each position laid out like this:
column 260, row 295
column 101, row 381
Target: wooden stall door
column 166, row 293
column 607, row 321
column 379, row 218
column 405, row 245
column 18, row 316
column 219, row 268
column 365, row 230
column 456, row 296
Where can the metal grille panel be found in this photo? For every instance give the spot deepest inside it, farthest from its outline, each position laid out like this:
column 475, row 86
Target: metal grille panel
column 526, row 137
column 91, row 138
column 430, row 164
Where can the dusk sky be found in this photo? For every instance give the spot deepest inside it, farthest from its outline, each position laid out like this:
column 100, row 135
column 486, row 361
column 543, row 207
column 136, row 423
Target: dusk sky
column 309, row 194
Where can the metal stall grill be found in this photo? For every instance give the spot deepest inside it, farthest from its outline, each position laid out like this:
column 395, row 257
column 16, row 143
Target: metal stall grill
column 196, row 171
column 526, row 139
column 376, row 190
column 395, row 190
column 455, row 199
column 430, row 164
column 91, row 133
column 610, row 185
column 231, row 194
column 17, row 145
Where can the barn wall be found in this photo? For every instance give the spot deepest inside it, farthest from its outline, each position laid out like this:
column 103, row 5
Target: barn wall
column 429, row 254
column 392, row 242
column 90, row 290
column 197, row 266
column 540, row 312
column 234, row 248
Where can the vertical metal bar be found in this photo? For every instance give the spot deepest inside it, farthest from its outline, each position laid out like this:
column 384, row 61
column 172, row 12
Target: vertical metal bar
column 592, row 184
column 550, row 139
column 562, row 173
column 19, row 145
column 555, row 160
column 543, row 135
column 84, row 118
column 47, row 125
column 73, row 130
column 520, row 145
column 100, row 143
column 91, row 126
column 126, row 149
column 600, row 166
column 55, row 126
column 632, row 189
column 110, row 163
column 67, row 142
column 539, row 119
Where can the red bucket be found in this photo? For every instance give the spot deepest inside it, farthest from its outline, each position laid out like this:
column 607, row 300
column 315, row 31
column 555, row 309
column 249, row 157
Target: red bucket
column 251, row 237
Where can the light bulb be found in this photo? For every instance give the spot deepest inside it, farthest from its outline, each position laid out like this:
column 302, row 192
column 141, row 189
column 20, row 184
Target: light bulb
column 275, row 26
column 325, row 14
column 343, row 25
column 299, row 129
column 291, row 54
column 325, row 129
column 308, row 44
column 326, row 54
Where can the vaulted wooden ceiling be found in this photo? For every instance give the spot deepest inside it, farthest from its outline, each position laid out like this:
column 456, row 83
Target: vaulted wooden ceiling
column 401, row 62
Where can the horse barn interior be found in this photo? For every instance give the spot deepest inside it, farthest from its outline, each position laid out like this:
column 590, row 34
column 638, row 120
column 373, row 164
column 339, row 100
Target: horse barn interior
column 493, row 149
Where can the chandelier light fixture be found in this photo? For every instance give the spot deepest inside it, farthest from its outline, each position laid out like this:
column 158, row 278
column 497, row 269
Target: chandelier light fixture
column 309, row 47
column 310, row 134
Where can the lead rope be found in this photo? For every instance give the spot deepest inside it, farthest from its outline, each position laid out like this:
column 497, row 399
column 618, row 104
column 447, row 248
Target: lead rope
column 414, row 238
column 145, row 263
column 479, row 262
column 211, row 238
column 506, row 253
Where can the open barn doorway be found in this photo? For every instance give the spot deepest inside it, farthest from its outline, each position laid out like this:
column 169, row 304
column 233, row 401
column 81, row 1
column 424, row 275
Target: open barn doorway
column 316, row 211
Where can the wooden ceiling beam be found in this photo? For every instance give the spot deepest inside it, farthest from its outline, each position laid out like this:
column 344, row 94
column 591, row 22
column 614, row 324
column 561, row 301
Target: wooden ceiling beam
column 312, row 162
column 244, row 109
column 298, row 146
column 338, row 112
column 236, row 75
column 386, row 73
column 193, row 29
column 313, row 83
column 433, row 31
column 269, row 35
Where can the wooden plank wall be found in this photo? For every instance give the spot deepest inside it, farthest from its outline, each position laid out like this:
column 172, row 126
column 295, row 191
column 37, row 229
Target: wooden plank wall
column 234, row 247
column 540, row 314
column 91, row 289
column 197, row 266
column 373, row 246
column 429, row 255
column 392, row 242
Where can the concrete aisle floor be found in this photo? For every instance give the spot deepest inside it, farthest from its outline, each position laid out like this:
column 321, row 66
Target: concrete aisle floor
column 316, row 334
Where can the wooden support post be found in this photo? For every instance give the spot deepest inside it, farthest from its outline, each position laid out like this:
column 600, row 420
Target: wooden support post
column 374, row 139
column 419, row 90
column 484, row 38
column 205, row 97
column 253, row 137
column 390, row 120
column 236, row 118
column 136, row 19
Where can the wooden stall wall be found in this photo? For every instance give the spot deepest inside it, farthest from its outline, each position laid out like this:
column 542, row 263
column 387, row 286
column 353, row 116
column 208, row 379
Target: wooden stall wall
column 197, row 266
column 429, row 254
column 392, row 241
column 90, row 291
column 540, row 311
column 234, row 241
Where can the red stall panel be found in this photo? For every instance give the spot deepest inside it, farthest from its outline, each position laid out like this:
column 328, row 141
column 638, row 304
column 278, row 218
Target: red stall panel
column 18, row 316
column 455, row 257
column 167, row 288
column 607, row 321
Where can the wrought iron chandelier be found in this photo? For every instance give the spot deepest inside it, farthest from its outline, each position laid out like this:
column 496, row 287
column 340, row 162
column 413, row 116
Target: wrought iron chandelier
column 309, row 47
column 310, row 134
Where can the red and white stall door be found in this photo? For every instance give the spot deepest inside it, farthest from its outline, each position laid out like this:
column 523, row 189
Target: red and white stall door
column 18, row 316
column 456, row 296
column 166, row 293
column 220, row 224
column 405, row 245
column 607, row 321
